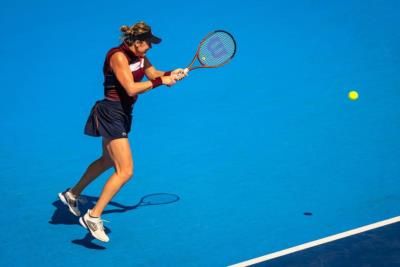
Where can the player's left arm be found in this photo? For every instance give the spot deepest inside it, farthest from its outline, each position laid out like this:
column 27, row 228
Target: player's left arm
column 152, row 73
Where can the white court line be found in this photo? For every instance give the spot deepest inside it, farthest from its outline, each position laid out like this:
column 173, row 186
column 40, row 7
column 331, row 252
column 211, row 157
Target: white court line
column 317, row 242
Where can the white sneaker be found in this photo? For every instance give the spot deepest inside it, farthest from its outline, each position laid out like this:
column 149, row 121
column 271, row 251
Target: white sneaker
column 71, row 201
column 95, row 226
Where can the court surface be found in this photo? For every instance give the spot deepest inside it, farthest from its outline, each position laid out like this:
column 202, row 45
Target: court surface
column 259, row 156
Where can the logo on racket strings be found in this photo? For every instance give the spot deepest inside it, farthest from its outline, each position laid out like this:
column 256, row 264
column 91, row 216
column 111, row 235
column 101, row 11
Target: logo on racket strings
column 216, row 47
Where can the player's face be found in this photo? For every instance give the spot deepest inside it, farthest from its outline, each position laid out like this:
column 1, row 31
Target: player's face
column 142, row 47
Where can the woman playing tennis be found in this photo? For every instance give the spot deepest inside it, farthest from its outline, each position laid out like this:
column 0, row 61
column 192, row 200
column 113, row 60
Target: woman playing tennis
column 111, row 118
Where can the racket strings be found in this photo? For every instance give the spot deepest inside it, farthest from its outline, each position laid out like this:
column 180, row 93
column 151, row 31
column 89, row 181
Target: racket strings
column 217, row 49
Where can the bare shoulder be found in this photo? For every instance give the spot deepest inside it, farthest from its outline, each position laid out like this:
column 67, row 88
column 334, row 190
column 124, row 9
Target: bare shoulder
column 118, row 59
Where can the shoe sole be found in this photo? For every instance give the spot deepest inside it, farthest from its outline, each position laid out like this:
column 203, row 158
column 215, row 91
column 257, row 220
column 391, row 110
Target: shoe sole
column 63, row 200
column 84, row 225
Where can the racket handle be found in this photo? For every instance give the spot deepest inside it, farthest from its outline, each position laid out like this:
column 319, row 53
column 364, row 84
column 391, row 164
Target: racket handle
column 181, row 75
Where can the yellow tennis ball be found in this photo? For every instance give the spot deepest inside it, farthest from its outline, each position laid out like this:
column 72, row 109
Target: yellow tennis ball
column 353, row 95
column 203, row 58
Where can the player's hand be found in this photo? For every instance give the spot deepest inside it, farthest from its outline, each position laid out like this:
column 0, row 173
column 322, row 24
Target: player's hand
column 168, row 80
column 179, row 74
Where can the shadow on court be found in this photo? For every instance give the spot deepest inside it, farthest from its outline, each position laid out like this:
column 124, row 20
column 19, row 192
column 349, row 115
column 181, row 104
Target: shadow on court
column 62, row 215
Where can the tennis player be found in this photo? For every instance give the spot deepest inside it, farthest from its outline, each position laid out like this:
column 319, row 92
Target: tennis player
column 111, row 118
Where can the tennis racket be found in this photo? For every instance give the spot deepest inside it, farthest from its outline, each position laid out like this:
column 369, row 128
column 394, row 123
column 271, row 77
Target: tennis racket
column 215, row 50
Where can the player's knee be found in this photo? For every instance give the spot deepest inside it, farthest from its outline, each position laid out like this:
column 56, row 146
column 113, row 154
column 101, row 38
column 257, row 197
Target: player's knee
column 126, row 173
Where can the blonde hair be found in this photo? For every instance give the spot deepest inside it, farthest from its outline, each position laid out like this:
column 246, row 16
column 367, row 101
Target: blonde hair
column 129, row 33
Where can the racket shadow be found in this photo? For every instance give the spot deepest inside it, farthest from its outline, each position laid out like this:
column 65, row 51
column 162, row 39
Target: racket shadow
column 154, row 199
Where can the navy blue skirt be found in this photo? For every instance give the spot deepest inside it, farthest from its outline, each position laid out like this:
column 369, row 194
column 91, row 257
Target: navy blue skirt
column 109, row 120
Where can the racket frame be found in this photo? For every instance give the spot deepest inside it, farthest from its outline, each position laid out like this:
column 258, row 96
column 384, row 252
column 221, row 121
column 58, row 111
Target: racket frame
column 196, row 56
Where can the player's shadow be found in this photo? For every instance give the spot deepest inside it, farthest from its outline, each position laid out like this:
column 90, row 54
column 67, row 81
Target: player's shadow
column 62, row 215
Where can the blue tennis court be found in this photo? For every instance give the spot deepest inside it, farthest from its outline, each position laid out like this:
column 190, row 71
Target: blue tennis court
column 261, row 155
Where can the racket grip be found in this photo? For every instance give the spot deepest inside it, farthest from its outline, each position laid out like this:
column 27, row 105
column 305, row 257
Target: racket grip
column 182, row 74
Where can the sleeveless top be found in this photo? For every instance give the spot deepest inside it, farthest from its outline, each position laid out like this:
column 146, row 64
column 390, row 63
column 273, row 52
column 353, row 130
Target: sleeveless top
column 113, row 90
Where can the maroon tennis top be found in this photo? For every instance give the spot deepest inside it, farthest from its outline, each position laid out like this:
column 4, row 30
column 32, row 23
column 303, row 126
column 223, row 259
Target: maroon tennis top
column 113, row 90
